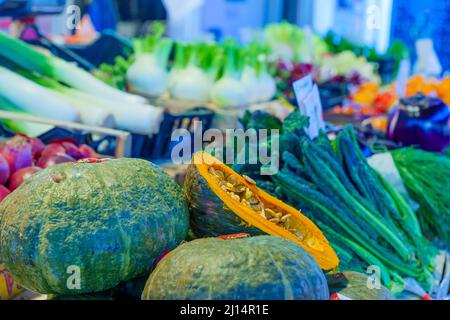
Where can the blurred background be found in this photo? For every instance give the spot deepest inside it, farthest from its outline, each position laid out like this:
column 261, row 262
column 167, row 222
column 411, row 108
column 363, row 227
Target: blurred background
column 373, row 23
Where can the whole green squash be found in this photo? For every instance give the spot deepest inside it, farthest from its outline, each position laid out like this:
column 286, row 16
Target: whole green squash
column 355, row 287
column 78, row 228
column 257, row 268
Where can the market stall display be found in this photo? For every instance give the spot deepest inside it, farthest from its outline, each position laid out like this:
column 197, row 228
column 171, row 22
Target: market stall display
column 327, row 223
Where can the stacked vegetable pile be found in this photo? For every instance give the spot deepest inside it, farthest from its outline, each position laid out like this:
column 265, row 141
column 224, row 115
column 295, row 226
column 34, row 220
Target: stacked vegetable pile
column 365, row 219
column 369, row 99
column 22, row 156
column 59, row 90
column 224, row 74
column 296, row 48
column 106, row 222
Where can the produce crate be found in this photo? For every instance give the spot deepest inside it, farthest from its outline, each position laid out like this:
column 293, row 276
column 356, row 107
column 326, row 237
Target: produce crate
column 109, row 142
column 105, row 141
column 158, row 148
column 332, row 94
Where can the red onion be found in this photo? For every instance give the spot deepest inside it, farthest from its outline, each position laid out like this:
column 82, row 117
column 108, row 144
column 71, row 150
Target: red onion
column 88, row 152
column 4, row 170
column 52, row 160
column 53, row 149
column 37, row 146
column 72, row 150
column 18, row 153
column 4, row 192
column 20, row 176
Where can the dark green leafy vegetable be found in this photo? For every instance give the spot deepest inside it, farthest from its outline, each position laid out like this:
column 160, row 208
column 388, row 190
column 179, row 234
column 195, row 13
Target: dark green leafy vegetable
column 365, row 219
column 427, row 178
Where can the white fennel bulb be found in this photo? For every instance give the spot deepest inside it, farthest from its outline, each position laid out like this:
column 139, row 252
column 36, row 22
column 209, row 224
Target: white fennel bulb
column 267, row 87
column 229, row 92
column 250, row 81
column 191, row 84
column 145, row 76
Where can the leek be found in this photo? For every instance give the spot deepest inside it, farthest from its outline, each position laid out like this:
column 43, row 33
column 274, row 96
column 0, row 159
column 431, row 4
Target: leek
column 99, row 111
column 33, row 60
column 90, row 114
column 29, row 128
column 33, row 98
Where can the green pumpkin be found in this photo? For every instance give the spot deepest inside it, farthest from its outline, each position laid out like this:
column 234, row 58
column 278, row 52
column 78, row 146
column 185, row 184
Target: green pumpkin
column 355, row 287
column 257, row 268
column 107, row 220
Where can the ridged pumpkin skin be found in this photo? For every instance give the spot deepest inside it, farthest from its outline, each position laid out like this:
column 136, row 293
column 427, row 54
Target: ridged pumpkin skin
column 111, row 219
column 257, row 268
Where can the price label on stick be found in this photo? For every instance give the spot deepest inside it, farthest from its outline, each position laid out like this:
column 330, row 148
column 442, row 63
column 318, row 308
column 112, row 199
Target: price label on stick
column 302, row 87
column 312, row 106
column 309, row 104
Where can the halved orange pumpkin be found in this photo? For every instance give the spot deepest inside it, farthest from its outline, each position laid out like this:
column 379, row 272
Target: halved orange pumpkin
column 214, row 212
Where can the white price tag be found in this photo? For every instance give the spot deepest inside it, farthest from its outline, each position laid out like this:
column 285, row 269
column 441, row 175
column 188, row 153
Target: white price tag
column 312, row 106
column 302, row 87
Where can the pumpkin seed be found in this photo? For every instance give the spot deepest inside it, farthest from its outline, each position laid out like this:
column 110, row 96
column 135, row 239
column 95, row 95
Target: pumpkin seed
column 235, row 197
column 223, row 185
column 247, row 197
column 232, row 179
column 272, row 213
column 256, row 207
column 249, row 180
